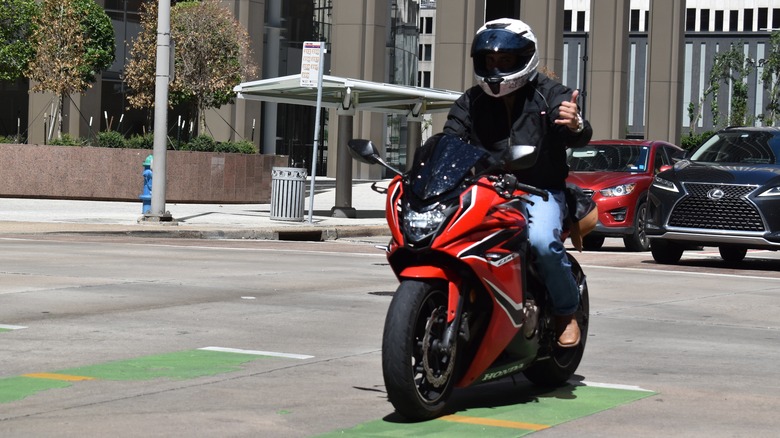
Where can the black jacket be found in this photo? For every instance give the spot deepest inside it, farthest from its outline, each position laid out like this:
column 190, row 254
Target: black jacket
column 482, row 119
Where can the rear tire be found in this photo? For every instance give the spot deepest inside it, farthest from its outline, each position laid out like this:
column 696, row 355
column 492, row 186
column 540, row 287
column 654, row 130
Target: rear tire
column 665, row 252
column 558, row 368
column 418, row 377
column 732, row 254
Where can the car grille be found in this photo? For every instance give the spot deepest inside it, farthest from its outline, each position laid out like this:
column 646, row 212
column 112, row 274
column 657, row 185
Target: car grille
column 731, row 212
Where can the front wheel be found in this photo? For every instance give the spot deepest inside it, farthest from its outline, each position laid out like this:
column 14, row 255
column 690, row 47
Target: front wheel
column 561, row 364
column 638, row 240
column 666, row 252
column 419, row 375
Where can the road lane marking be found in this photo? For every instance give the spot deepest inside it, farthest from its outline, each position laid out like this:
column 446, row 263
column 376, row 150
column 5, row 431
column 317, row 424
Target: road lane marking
column 257, row 352
column 705, row 274
column 56, row 376
column 11, row 327
column 493, row 422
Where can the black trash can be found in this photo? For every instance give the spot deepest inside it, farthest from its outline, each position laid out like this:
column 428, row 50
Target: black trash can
column 288, row 193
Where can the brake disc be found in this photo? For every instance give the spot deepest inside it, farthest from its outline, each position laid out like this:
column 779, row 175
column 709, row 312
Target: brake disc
column 430, row 375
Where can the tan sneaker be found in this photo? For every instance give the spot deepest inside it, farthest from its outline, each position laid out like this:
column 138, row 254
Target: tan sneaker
column 567, row 330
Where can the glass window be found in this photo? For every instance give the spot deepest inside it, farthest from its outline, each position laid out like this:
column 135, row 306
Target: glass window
column 733, row 21
column 690, row 20
column 567, row 20
column 747, row 147
column 747, row 20
column 581, row 21
column 704, row 22
column 763, row 18
column 719, row 21
column 634, row 21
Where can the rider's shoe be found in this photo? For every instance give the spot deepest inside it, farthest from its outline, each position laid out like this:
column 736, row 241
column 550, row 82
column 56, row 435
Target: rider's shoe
column 567, row 330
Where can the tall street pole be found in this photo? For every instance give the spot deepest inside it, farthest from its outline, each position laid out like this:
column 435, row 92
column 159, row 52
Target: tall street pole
column 157, row 211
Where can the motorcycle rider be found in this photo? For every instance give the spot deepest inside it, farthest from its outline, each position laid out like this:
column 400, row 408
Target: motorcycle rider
column 514, row 104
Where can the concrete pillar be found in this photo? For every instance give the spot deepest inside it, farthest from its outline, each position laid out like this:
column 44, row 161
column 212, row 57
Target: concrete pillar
column 343, row 207
column 665, row 66
column 413, row 138
column 607, row 81
column 546, row 20
column 358, row 51
column 456, row 24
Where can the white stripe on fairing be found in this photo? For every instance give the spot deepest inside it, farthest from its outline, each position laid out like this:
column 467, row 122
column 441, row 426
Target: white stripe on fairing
column 257, row 352
column 12, row 327
column 614, row 386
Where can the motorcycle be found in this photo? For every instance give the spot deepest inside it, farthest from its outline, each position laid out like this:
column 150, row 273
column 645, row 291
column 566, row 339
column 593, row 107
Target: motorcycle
column 470, row 307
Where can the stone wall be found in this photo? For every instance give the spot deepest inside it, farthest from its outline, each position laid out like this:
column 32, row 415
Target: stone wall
column 74, row 172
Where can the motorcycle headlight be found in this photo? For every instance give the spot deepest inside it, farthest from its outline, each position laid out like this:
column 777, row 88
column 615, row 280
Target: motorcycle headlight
column 621, row 190
column 664, row 184
column 420, row 224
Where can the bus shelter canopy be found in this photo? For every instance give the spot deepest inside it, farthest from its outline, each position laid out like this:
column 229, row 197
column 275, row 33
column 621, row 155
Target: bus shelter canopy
column 350, row 94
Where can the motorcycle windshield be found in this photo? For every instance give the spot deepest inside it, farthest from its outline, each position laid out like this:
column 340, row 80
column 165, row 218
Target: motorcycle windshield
column 445, row 167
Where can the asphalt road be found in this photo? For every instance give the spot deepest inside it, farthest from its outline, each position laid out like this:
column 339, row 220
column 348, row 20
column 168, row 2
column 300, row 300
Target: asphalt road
column 136, row 313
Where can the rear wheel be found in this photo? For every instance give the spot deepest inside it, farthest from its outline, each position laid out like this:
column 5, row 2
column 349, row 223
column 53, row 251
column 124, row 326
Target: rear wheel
column 732, row 253
column 418, row 374
column 638, row 241
column 665, row 252
column 563, row 362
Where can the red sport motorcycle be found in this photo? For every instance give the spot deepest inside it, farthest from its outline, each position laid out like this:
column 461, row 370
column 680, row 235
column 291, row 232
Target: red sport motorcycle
column 469, row 308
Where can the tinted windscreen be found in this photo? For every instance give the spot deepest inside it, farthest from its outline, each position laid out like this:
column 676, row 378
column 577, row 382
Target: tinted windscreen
column 747, row 147
column 608, row 158
column 445, row 167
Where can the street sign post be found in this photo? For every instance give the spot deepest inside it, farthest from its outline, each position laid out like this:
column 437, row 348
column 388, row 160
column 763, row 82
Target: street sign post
column 311, row 76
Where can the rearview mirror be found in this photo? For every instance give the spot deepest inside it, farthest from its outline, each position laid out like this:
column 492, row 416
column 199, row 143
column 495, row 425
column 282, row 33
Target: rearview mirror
column 519, row 157
column 363, row 151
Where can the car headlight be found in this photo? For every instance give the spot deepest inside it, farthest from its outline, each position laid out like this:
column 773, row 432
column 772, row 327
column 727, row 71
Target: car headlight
column 621, row 190
column 664, row 184
column 420, row 224
column 774, row 191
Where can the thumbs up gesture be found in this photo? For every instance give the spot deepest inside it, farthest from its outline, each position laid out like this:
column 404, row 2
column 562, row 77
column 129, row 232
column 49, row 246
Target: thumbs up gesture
column 569, row 113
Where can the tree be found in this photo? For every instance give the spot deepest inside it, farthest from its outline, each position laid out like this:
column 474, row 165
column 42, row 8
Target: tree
column 731, row 67
column 17, row 25
column 74, row 41
column 771, row 78
column 211, row 56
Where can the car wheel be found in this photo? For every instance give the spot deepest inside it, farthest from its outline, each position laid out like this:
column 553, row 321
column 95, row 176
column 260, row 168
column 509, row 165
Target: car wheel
column 732, row 254
column 638, row 241
column 666, row 252
column 592, row 243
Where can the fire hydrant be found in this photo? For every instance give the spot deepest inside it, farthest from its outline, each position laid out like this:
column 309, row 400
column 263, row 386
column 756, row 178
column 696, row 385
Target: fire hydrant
column 146, row 195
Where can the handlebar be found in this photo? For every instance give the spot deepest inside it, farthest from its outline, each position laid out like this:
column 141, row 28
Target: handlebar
column 506, row 184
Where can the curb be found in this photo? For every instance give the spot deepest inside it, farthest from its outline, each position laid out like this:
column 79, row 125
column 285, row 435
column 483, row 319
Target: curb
column 276, row 233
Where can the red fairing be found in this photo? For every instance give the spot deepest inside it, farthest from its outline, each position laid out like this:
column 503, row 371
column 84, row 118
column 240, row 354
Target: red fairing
column 479, row 234
column 394, row 192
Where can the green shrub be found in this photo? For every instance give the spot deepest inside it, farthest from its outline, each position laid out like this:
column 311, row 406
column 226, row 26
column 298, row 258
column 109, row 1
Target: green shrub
column 237, row 147
column 68, row 140
column 145, row 141
column 692, row 140
column 201, row 143
column 111, row 139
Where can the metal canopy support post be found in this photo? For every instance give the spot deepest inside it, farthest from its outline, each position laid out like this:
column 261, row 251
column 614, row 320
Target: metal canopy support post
column 413, row 132
column 157, row 211
column 346, row 114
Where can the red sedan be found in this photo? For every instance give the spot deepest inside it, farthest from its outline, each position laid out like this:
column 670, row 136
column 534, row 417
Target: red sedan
column 618, row 173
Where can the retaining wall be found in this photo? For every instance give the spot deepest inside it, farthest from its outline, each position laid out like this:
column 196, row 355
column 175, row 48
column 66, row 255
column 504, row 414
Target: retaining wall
column 76, row 172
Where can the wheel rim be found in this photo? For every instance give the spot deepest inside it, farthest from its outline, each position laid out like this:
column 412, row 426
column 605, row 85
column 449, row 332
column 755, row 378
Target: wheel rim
column 432, row 369
column 640, row 220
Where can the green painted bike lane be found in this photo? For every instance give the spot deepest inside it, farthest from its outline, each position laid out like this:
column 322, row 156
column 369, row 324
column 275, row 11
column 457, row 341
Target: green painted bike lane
column 542, row 410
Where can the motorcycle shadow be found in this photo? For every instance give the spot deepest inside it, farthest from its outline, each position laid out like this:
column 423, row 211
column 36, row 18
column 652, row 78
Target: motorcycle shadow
column 509, row 391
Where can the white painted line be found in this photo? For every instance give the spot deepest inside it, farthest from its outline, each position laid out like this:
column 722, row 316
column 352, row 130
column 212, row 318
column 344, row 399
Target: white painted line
column 12, row 327
column 704, row 274
column 257, row 352
column 613, row 386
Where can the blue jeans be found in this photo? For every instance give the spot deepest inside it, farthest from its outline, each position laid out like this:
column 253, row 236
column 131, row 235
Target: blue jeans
column 545, row 223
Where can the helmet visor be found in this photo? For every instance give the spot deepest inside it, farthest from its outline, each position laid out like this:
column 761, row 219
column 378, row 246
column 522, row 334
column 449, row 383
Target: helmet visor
column 520, row 51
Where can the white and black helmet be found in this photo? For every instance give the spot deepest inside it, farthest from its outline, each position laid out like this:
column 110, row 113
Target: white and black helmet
column 504, row 35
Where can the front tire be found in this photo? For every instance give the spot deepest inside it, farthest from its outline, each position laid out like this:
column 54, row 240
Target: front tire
column 732, row 254
column 419, row 377
column 638, row 241
column 665, row 252
column 561, row 364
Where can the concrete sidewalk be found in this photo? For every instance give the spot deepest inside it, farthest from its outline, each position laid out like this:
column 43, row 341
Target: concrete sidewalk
column 217, row 221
